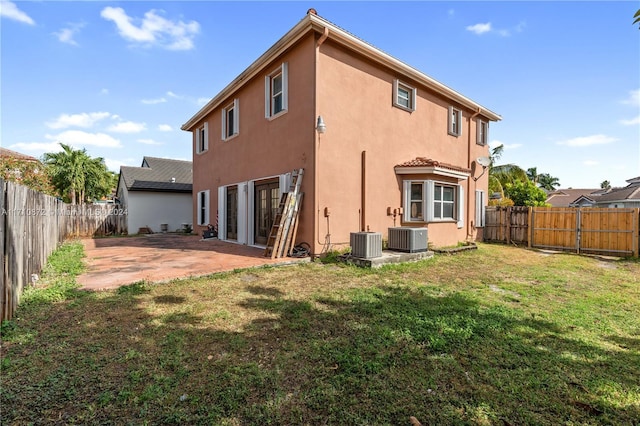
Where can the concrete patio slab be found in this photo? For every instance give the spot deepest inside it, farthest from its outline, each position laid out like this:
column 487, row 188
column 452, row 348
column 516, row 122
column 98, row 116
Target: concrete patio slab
column 114, row 262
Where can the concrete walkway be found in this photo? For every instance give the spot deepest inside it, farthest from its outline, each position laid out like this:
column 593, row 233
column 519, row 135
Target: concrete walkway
column 113, row 262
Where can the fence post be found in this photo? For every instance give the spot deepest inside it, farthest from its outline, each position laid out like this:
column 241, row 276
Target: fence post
column 578, row 226
column 508, row 225
column 636, row 233
column 530, row 230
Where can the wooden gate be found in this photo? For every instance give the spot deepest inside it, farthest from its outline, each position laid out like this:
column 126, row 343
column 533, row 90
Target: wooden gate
column 609, row 231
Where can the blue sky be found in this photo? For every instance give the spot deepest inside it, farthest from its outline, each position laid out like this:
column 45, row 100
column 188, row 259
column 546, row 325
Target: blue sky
column 120, row 78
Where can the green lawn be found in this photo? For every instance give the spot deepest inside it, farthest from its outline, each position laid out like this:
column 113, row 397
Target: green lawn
column 499, row 335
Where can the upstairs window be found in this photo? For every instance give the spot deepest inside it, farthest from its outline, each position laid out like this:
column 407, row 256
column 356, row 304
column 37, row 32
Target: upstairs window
column 276, row 92
column 455, row 121
column 404, row 96
column 202, row 138
column 230, row 120
column 482, row 131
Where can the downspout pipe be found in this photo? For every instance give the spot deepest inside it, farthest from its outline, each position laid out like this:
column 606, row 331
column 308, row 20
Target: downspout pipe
column 316, row 147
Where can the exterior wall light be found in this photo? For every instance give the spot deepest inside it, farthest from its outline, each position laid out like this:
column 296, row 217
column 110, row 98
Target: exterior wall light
column 321, row 127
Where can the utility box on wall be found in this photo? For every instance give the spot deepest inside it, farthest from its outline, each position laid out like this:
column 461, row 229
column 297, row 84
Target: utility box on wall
column 411, row 240
column 366, row 245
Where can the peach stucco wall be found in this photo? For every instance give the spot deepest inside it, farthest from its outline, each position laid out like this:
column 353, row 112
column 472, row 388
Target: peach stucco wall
column 354, row 96
column 264, row 147
column 355, row 100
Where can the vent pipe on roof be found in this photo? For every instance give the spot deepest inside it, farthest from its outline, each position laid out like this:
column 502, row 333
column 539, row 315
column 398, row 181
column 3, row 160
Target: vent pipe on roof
column 173, row 180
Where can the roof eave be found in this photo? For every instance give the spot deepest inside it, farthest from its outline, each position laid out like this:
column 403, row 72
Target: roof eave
column 316, row 23
column 440, row 171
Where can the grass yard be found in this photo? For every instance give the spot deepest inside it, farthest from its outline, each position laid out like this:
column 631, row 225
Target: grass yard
column 496, row 336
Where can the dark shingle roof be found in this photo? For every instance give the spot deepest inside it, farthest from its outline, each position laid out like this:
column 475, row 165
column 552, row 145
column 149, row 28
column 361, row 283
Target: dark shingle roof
column 159, row 174
column 629, row 192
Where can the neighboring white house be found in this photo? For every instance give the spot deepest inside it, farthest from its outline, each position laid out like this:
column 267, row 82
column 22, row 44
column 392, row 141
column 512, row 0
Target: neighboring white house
column 156, row 195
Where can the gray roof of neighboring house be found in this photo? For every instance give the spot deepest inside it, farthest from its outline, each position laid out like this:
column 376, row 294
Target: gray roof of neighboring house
column 159, row 174
column 629, row 192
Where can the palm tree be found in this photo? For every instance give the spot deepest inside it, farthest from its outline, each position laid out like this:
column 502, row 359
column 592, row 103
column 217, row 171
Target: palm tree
column 76, row 175
column 548, row 182
column 500, row 175
column 532, row 174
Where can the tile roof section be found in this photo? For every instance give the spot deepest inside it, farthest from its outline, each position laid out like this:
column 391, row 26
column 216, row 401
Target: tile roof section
column 428, row 162
column 566, row 197
column 156, row 175
column 4, row 152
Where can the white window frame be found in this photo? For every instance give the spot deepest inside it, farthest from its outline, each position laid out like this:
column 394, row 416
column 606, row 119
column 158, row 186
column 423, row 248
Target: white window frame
column 229, row 132
column 203, row 208
column 455, row 121
column 269, row 96
column 202, row 138
column 482, row 132
column 410, row 98
column 428, row 202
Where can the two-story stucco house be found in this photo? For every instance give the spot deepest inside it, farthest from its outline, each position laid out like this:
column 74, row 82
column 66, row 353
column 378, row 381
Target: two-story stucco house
column 395, row 148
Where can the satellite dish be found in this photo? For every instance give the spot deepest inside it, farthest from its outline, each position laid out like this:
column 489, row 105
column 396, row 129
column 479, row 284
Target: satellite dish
column 483, row 161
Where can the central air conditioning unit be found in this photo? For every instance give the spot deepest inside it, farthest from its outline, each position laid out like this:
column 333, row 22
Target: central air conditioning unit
column 411, row 240
column 366, row 245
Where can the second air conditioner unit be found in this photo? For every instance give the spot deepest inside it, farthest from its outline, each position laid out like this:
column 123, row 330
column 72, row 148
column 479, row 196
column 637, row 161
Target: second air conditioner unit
column 411, row 240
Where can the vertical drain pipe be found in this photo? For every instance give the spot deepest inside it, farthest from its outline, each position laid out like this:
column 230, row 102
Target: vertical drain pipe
column 363, row 191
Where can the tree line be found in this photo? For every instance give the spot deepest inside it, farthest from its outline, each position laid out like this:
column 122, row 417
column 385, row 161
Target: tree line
column 71, row 175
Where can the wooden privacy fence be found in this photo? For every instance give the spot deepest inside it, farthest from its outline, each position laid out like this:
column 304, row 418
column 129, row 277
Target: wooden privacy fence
column 31, row 227
column 607, row 231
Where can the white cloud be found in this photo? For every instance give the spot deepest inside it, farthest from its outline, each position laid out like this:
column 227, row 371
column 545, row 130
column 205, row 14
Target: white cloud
column 631, row 122
column 451, row 12
column 114, row 165
column 127, row 127
column 77, row 120
column 153, row 101
column 496, row 143
column 153, row 29
column 165, row 128
column 173, row 95
column 633, row 99
column 150, row 142
column 480, row 28
column 104, row 92
column 588, row 140
column 37, row 146
column 590, row 163
column 79, row 138
column 66, row 35
column 202, row 101
column 10, row 10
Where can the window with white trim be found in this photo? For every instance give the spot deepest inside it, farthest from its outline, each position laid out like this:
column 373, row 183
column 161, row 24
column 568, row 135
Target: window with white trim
column 276, row 92
column 203, row 207
column 231, row 120
column 432, row 201
column 482, row 132
column 404, row 96
column 455, row 121
column 202, row 138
